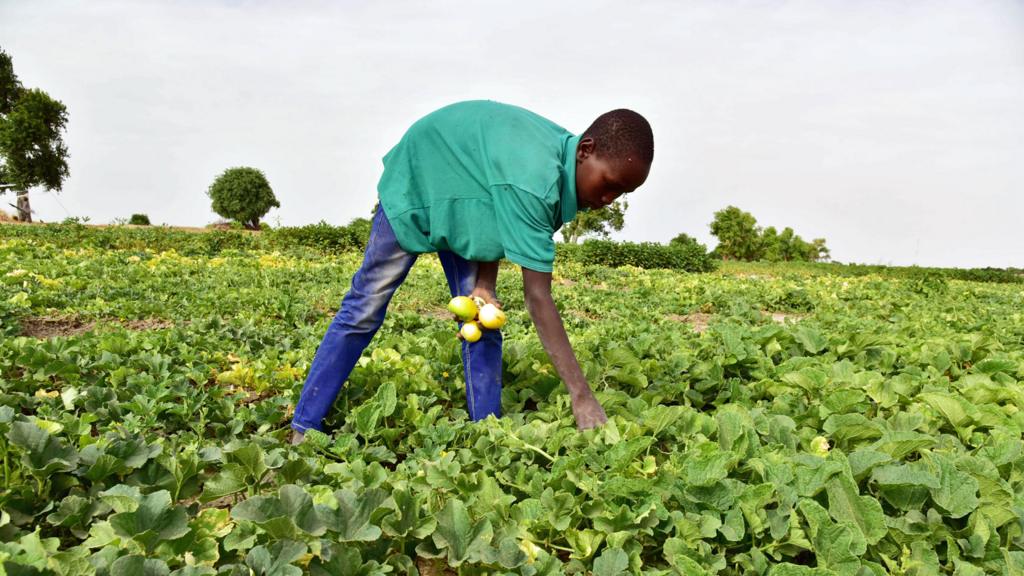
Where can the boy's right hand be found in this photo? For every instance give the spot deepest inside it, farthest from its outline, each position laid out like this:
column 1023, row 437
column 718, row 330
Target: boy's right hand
column 486, row 294
column 588, row 412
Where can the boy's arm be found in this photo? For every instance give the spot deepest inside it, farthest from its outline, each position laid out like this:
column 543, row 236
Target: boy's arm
column 537, row 292
column 486, row 281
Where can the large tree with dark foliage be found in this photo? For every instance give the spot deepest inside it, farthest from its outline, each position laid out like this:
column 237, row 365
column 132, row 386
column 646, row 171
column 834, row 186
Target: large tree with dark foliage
column 32, row 149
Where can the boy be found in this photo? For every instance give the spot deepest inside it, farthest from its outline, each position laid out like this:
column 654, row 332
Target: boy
column 476, row 182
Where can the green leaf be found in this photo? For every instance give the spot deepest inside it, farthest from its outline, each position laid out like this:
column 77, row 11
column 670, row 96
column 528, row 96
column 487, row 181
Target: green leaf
column 811, row 339
column 560, row 508
column 954, row 409
column 507, row 554
column 251, row 459
column 122, row 498
column 845, row 504
column 611, row 562
column 837, row 547
column 408, row 520
column 154, row 520
column 100, row 534
column 464, row 540
column 584, row 542
column 73, row 511
column 135, row 565
column 707, row 465
column 387, row 397
column 658, row 418
column 194, row 571
column 964, row 568
column 787, row 569
column 851, row 428
column 30, row 550
column 910, row 474
column 993, row 365
column 809, row 379
column 230, row 480
column 684, row 565
column 366, row 418
column 44, row 453
column 899, row 443
column 316, row 439
column 812, row 473
column 957, row 492
column 351, row 520
column 864, row 461
column 281, row 515
column 342, row 559
column 277, row 559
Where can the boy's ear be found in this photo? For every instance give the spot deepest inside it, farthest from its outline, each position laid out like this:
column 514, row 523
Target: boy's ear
column 584, row 148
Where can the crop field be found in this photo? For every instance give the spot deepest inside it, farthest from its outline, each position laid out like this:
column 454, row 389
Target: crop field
column 763, row 420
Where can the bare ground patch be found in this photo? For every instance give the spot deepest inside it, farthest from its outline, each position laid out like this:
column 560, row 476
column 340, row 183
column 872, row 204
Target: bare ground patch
column 698, row 320
column 44, row 327
column 583, row 314
column 784, row 317
column 433, row 567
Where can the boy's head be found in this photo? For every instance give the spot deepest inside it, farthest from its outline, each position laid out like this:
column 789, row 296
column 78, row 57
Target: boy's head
column 613, row 157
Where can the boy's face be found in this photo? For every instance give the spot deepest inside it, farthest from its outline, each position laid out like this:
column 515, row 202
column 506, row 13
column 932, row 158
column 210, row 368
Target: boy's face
column 600, row 181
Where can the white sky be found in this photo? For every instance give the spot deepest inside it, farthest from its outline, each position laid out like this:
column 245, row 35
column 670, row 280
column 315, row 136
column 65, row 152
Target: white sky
column 894, row 129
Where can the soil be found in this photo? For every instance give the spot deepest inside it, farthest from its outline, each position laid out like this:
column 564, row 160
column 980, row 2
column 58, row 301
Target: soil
column 784, row 317
column 44, row 327
column 698, row 320
column 433, row 567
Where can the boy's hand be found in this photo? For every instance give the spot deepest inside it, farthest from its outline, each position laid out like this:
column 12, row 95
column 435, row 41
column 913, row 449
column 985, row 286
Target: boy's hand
column 588, row 413
column 486, row 294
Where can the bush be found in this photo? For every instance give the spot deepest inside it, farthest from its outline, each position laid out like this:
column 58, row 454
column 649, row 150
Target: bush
column 359, row 229
column 321, row 236
column 139, row 220
column 690, row 258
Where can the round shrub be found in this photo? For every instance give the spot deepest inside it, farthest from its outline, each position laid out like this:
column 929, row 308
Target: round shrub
column 243, row 195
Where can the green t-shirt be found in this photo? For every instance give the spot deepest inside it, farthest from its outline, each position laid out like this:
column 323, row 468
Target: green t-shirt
column 484, row 180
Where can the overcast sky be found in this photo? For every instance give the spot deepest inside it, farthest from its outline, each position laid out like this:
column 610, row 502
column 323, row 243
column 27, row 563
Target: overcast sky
column 894, row 129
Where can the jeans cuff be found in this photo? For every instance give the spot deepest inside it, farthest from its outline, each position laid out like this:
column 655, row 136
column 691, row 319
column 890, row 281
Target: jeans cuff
column 302, row 427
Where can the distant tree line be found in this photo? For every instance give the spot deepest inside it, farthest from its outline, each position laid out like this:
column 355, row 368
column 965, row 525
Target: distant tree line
column 740, row 238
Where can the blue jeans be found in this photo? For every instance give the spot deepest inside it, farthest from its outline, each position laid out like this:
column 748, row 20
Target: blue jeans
column 384, row 268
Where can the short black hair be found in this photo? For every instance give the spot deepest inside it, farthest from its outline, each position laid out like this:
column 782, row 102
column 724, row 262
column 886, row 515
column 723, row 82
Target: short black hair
column 621, row 133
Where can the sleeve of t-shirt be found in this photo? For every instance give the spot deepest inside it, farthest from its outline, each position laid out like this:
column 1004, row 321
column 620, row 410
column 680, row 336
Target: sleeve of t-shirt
column 524, row 226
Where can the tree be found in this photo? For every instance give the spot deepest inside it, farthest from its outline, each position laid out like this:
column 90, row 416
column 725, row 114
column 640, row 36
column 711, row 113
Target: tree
column 684, row 239
column 244, row 195
column 740, row 238
column 599, row 222
column 819, row 252
column 737, row 233
column 10, row 86
column 32, row 149
column 772, row 245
